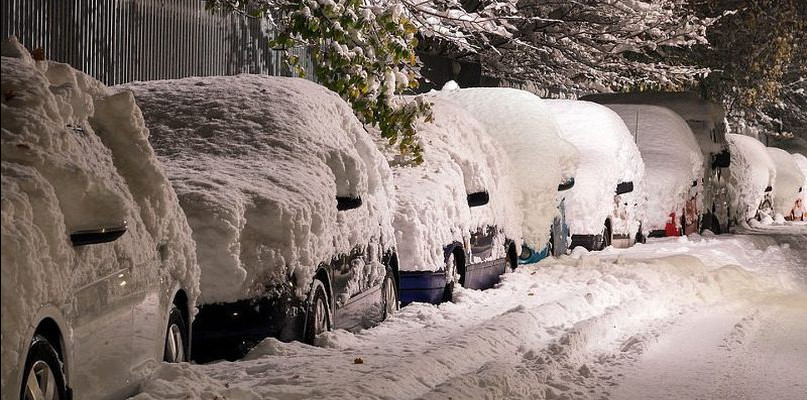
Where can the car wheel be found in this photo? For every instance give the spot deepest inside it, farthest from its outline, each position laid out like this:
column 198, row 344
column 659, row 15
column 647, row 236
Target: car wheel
column 318, row 318
column 176, row 338
column 606, row 236
column 43, row 377
column 451, row 271
column 390, row 293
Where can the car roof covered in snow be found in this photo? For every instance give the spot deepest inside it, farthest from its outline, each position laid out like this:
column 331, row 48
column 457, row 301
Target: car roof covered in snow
column 752, row 171
column 432, row 211
column 671, row 156
column 258, row 162
column 789, row 180
column 608, row 156
column 521, row 124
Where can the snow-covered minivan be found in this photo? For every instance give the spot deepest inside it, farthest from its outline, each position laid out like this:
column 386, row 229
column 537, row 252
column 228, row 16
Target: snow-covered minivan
column 99, row 269
column 456, row 218
column 290, row 202
column 673, row 168
column 606, row 203
column 706, row 121
column 543, row 164
column 751, row 179
column 787, row 185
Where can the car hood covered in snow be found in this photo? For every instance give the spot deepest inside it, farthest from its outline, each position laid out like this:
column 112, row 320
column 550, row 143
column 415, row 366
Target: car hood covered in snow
column 76, row 156
column 789, row 180
column 672, row 159
column 608, row 156
column 258, row 162
column 432, row 211
column 521, row 124
column 752, row 170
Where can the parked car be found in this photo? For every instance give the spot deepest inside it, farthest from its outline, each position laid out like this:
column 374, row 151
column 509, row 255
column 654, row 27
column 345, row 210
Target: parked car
column 751, row 179
column 673, row 168
column 290, row 204
column 456, row 218
column 521, row 124
column 706, row 120
column 605, row 205
column 787, row 185
column 99, row 269
column 799, row 211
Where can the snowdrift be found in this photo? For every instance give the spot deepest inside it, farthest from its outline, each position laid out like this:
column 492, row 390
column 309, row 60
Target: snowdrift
column 432, row 211
column 672, row 158
column 76, row 156
column 789, row 179
column 258, row 162
column 608, row 156
column 752, row 170
column 521, row 124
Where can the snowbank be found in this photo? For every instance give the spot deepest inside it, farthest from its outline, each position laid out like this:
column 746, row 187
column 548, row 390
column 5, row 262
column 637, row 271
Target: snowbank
column 258, row 162
column 432, row 211
column 76, row 156
column 671, row 157
column 520, row 123
column 608, row 156
column 789, row 179
column 752, row 170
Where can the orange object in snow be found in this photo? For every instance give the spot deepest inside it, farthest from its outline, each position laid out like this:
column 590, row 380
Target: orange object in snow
column 671, row 229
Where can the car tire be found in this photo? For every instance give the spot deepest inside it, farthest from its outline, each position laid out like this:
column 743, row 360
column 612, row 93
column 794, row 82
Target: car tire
column 606, row 236
column 318, row 317
column 43, row 376
column 176, row 338
column 390, row 295
column 451, row 271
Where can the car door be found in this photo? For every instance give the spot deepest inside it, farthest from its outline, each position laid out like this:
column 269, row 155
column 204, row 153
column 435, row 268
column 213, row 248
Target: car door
column 149, row 315
column 102, row 330
column 356, row 290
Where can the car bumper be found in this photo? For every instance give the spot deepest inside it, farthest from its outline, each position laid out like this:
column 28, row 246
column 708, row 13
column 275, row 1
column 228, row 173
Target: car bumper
column 422, row 287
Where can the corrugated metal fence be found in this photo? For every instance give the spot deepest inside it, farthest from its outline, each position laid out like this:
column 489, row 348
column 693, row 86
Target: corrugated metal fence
column 119, row 41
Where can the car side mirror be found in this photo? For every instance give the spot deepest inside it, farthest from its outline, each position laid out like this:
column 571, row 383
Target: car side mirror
column 96, row 236
column 566, row 185
column 478, row 199
column 721, row 160
column 624, row 187
column 768, row 189
column 347, row 203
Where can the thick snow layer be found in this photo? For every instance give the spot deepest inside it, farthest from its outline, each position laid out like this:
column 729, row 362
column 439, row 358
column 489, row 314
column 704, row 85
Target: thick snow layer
column 672, row 159
column 520, row 122
column 258, row 162
column 608, row 156
column 789, row 179
column 432, row 211
column 752, row 170
column 76, row 156
column 569, row 328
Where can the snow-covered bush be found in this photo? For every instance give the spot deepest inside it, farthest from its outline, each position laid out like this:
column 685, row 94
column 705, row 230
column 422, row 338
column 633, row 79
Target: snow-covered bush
column 76, row 156
column 787, row 183
column 258, row 162
column 672, row 159
column 751, row 172
column 519, row 122
column 608, row 156
column 432, row 211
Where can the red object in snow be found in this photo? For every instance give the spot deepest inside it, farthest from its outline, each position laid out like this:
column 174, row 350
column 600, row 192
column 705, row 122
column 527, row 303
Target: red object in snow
column 671, row 229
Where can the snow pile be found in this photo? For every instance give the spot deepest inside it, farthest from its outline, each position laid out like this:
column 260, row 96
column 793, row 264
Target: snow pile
column 752, row 170
column 258, row 162
column 74, row 157
column 521, row 124
column 671, row 157
column 789, row 179
column 432, row 211
column 608, row 156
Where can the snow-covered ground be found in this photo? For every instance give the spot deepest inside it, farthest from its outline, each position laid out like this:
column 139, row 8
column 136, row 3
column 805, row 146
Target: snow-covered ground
column 678, row 318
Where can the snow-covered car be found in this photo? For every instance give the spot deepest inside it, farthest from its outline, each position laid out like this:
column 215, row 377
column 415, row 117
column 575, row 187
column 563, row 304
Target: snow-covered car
column 673, row 168
column 751, row 178
column 290, row 204
column 543, row 164
column 605, row 205
column 99, row 268
column 787, row 185
column 799, row 212
column 706, row 120
column 456, row 217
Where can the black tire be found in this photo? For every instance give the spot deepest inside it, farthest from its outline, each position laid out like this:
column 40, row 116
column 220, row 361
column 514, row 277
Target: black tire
column 606, row 235
column 176, row 338
column 316, row 323
column 43, row 361
column 389, row 291
column 512, row 258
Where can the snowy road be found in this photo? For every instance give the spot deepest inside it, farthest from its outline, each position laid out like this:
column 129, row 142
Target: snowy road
column 718, row 317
